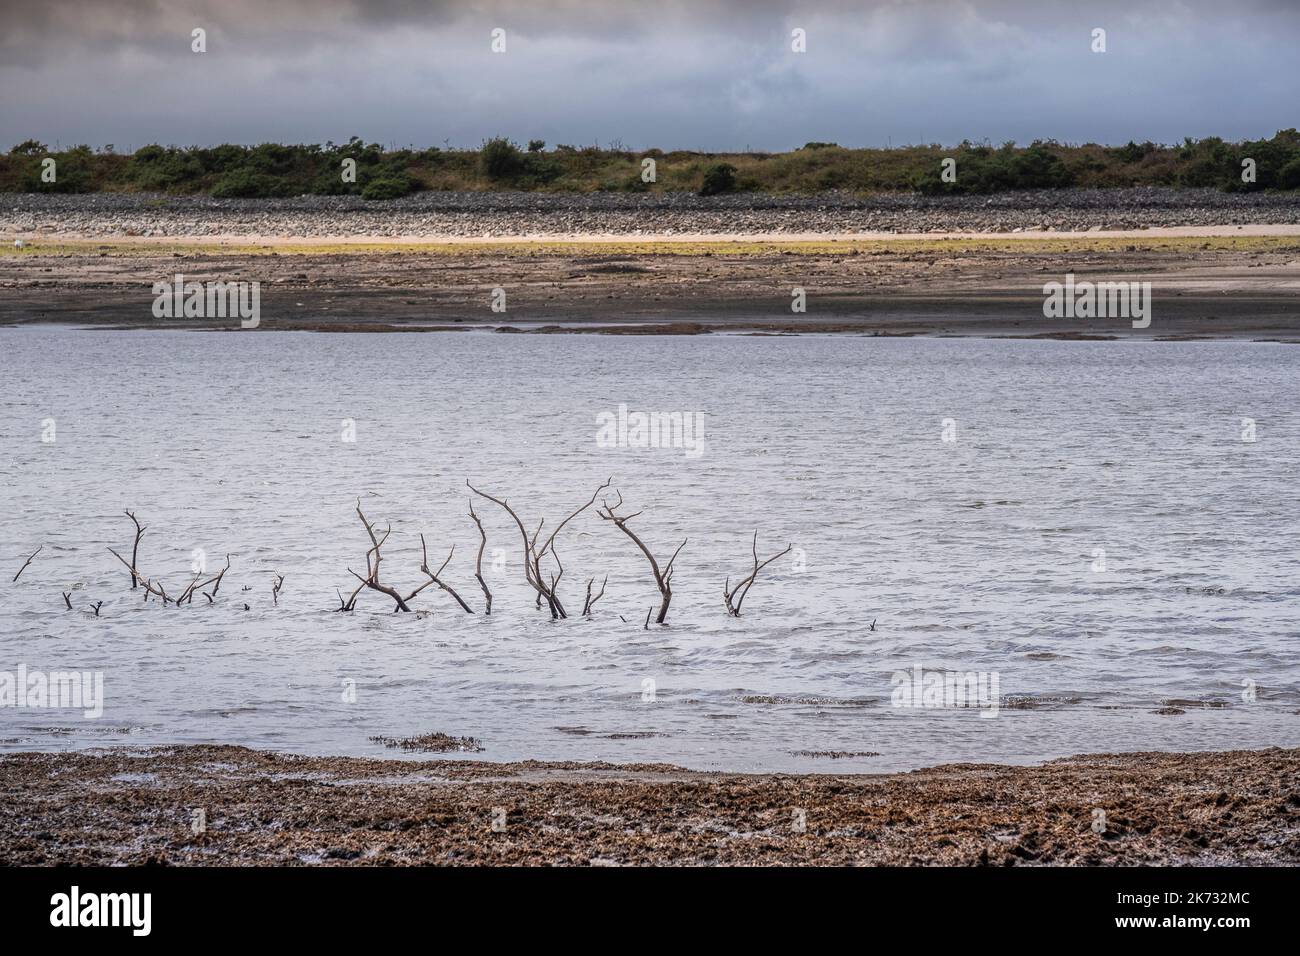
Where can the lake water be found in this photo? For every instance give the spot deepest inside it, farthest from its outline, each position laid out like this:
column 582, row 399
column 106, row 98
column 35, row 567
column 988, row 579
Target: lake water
column 978, row 554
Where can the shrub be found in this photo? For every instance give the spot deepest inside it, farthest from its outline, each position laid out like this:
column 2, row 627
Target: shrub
column 536, row 145
column 719, row 178
column 1288, row 176
column 388, row 186
column 500, row 159
column 247, row 184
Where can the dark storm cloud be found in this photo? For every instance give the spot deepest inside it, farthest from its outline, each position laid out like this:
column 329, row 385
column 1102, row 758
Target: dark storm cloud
column 704, row 74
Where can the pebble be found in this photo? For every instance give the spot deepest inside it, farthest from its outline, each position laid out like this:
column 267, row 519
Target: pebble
column 488, row 215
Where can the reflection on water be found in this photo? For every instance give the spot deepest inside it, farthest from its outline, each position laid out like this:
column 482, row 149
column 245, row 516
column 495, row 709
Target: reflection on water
column 975, row 555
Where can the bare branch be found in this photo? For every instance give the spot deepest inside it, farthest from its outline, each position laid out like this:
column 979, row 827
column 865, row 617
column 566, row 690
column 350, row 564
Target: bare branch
column 735, row 597
column 135, row 547
column 28, row 561
column 478, row 565
column 663, row 577
column 591, row 601
column 435, row 576
column 533, row 554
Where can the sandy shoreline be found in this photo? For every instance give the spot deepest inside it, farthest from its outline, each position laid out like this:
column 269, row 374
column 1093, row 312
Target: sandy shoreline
column 1236, row 286
column 1220, row 265
column 123, row 806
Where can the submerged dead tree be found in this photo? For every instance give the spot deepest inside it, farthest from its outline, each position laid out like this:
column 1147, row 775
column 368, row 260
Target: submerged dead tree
column 151, row 586
column 663, row 576
column 371, row 580
column 735, row 597
column 544, row 583
column 435, row 577
column 591, row 601
column 478, row 565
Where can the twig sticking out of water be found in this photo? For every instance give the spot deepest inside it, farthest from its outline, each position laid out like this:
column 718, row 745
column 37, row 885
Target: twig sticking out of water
column 28, row 561
column 135, row 547
column 478, row 566
column 156, row 587
column 275, row 589
column 663, row 577
column 543, row 584
column 373, row 558
column 67, row 599
column 436, row 576
column 591, row 601
column 735, row 597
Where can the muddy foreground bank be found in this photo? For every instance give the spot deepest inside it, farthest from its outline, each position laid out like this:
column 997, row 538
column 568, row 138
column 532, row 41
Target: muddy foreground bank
column 1201, row 287
column 138, row 807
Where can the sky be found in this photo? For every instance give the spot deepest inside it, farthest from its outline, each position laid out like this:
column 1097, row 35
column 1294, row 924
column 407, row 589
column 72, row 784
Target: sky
column 713, row 75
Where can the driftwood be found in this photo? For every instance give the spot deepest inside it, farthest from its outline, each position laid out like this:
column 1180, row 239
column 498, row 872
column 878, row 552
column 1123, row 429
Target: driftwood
column 735, row 597
column 663, row 576
column 28, row 561
column 67, row 598
column 275, row 589
column 543, row 583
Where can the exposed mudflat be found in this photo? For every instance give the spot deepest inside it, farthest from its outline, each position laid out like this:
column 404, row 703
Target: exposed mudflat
column 137, row 807
column 1213, row 287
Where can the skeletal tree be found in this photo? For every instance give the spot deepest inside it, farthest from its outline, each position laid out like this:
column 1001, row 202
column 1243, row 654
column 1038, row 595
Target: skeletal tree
column 590, row 603
column 543, row 584
column 135, row 547
column 156, row 587
column 435, row 577
column 373, row 558
column 735, row 597
column 478, row 565
column 663, row 576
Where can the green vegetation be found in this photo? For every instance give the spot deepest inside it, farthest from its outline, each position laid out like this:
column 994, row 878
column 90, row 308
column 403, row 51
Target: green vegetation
column 275, row 170
column 719, row 178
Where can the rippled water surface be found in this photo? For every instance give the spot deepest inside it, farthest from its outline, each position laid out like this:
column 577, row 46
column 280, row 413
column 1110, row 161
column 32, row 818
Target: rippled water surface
column 975, row 555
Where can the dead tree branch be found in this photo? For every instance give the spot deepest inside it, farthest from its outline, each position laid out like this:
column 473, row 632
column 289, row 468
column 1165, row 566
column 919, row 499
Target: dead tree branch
column 588, row 604
column 28, row 561
column 135, row 547
column 543, row 585
column 275, row 589
column 735, row 597
column 373, row 558
column 436, row 576
column 478, row 565
column 155, row 587
column 663, row 576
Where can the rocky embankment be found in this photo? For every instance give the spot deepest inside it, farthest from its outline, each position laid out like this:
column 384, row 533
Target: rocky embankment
column 471, row 215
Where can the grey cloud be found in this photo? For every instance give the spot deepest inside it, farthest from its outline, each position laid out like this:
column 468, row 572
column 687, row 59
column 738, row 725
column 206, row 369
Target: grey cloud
column 712, row 73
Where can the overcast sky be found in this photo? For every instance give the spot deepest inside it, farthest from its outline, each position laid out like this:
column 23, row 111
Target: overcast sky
column 703, row 74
